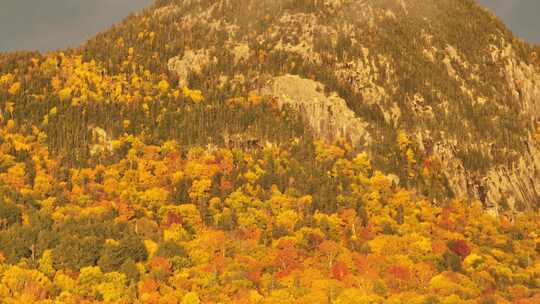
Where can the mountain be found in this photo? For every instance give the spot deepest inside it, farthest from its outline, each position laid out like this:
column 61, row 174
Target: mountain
column 289, row 151
column 469, row 102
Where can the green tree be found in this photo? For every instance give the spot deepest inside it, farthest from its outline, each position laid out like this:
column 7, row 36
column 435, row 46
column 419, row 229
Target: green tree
column 129, row 268
column 9, row 214
column 170, row 249
column 114, row 255
column 75, row 253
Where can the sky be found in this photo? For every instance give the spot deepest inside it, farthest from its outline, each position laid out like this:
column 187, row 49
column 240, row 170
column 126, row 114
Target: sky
column 56, row 24
column 521, row 16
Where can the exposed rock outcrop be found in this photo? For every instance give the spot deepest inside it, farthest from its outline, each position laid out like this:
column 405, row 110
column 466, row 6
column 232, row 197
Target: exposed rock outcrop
column 454, row 171
column 328, row 116
column 517, row 185
column 101, row 141
column 241, row 52
column 191, row 62
column 523, row 79
column 297, row 34
column 365, row 74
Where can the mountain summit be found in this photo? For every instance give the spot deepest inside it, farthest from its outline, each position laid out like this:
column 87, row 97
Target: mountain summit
column 275, row 151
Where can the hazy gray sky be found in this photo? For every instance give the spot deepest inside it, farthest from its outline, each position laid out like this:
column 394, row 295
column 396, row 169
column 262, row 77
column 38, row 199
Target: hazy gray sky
column 56, row 24
column 521, row 16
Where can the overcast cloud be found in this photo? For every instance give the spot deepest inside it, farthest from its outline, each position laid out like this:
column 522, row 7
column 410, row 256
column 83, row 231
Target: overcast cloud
column 521, row 16
column 56, row 24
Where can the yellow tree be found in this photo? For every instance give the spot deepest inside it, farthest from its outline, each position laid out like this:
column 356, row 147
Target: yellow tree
column 15, row 88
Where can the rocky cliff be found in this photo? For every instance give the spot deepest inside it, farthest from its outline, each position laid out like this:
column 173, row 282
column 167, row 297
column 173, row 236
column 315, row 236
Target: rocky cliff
column 328, row 116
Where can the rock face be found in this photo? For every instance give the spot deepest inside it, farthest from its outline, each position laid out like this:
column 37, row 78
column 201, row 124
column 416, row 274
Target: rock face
column 328, row 116
column 517, row 186
column 454, row 170
column 241, row 52
column 191, row 62
column 523, row 79
column 101, row 141
column 304, row 28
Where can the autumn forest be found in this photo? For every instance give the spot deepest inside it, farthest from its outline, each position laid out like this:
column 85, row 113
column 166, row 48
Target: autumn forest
column 124, row 181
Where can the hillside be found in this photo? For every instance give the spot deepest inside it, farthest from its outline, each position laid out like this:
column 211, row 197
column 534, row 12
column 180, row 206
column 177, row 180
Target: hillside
column 275, row 151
